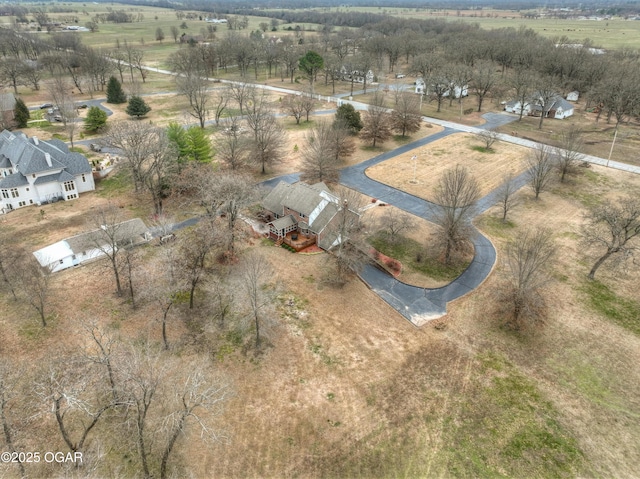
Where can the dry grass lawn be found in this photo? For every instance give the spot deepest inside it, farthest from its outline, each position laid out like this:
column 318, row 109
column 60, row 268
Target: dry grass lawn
column 434, row 159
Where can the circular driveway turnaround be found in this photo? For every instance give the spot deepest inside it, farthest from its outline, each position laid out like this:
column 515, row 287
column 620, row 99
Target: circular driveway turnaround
column 418, row 305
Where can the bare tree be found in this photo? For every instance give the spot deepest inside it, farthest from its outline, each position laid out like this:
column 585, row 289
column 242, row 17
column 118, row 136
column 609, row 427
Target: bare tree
column 160, row 168
column 571, row 142
column 192, row 82
column 143, row 372
column 9, row 259
column 241, row 92
column 35, row 286
column 540, row 164
column 269, row 139
column 193, row 250
column 344, row 236
column 545, row 97
column 614, row 228
column 110, row 235
column 60, row 92
column 292, row 104
column 77, row 398
column 8, row 398
column 522, row 82
column 394, row 223
column 233, row 146
column 484, row 77
column 227, row 193
column 488, row 138
column 135, row 140
column 319, row 160
column 255, row 272
column 377, row 125
column 200, row 396
column 528, row 255
column 506, row 195
column 342, row 142
column 102, row 350
column 406, row 117
column 455, row 199
column 220, row 101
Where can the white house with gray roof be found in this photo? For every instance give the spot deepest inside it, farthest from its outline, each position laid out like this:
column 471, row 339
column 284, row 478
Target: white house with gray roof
column 557, row 107
column 34, row 172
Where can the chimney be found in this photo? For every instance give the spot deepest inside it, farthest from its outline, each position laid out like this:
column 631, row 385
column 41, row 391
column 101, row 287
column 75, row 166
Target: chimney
column 35, row 140
column 47, row 157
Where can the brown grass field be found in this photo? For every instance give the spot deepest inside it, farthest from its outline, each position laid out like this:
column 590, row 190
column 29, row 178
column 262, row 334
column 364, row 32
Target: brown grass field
column 434, row 159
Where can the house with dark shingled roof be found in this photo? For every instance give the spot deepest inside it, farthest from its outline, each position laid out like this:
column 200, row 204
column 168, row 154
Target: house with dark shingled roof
column 35, row 172
column 309, row 210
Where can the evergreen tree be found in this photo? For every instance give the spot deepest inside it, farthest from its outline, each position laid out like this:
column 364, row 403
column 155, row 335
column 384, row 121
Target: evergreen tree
column 178, row 136
column 115, row 93
column 347, row 115
column 198, row 144
column 137, row 107
column 96, row 119
column 191, row 144
column 21, row 113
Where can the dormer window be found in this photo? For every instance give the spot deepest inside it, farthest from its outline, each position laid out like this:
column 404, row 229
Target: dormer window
column 33, row 176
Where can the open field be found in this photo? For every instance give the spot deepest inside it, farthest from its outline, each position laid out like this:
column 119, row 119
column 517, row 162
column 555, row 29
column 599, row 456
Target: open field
column 434, row 159
column 612, row 34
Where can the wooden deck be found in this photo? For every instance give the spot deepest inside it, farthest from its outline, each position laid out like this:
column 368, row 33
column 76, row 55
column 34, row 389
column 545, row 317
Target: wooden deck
column 301, row 242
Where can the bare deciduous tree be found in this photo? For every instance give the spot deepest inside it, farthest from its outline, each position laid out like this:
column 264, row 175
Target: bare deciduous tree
column 110, row 235
column 614, row 228
column 77, row 399
column 540, row 164
column 344, row 236
column 192, row 82
column 571, row 142
column 135, row 139
column 193, row 251
column 255, row 272
column 506, row 195
column 488, row 138
column 8, row 399
column 200, row 396
column 528, row 255
column 319, row 160
column 8, row 263
column 394, row 223
column 377, row 125
column 220, row 101
column 406, row 117
column 233, row 146
column 455, row 199
column 292, row 104
column 35, row 286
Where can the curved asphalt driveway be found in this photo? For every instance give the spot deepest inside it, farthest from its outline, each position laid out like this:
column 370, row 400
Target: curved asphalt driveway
column 418, row 305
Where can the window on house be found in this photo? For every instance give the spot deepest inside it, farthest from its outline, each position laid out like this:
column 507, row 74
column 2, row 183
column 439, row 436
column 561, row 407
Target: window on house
column 69, row 186
column 30, row 202
column 27, row 189
column 22, row 203
column 33, row 176
column 61, row 261
column 84, row 180
column 14, row 193
column 302, row 215
column 5, row 193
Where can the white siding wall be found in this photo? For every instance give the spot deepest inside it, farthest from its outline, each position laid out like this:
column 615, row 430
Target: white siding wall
column 48, row 190
column 87, row 185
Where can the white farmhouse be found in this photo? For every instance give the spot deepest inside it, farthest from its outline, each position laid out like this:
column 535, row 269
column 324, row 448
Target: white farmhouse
column 33, row 172
column 557, row 107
